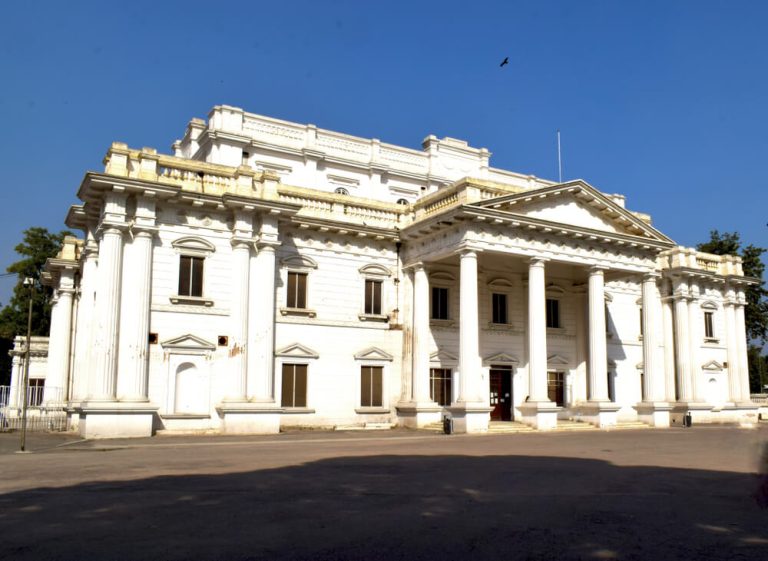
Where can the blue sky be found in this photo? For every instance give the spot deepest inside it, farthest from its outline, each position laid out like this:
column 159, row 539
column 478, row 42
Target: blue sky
column 665, row 102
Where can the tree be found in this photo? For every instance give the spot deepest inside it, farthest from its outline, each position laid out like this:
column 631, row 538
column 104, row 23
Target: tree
column 756, row 309
column 38, row 245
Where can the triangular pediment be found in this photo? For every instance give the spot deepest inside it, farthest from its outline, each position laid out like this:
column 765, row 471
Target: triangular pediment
column 374, row 353
column 188, row 342
column 575, row 204
column 443, row 357
column 296, row 350
column 712, row 365
column 557, row 360
column 500, row 358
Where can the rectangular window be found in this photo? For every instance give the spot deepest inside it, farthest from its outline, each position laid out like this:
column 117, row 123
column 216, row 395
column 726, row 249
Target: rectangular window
column 499, row 302
column 709, row 325
column 642, row 323
column 371, row 378
column 440, row 385
column 373, row 297
column 190, row 276
column 553, row 312
column 555, row 388
column 439, row 302
column 294, row 385
column 36, row 388
column 297, row 290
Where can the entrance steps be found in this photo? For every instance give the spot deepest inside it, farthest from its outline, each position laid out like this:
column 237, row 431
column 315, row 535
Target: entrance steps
column 572, row 426
column 507, row 427
column 630, row 425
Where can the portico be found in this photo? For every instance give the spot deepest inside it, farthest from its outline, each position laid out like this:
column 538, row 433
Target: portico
column 491, row 248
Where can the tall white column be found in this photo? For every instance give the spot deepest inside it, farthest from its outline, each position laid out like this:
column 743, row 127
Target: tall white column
column 537, row 332
column 132, row 378
column 732, row 347
column 238, row 348
column 261, row 327
column 103, row 379
column 420, row 334
column 57, row 378
column 669, row 350
column 682, row 342
column 653, row 379
column 469, row 344
column 85, row 318
column 695, row 339
column 741, row 345
column 598, row 358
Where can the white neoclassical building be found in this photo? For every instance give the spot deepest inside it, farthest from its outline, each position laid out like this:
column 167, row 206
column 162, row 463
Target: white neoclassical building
column 272, row 274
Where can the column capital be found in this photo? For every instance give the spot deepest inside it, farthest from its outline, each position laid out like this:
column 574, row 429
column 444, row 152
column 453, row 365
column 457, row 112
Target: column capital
column 468, row 252
column 597, row 269
column 537, row 261
column 651, row 276
column 141, row 231
column 418, row 266
column 266, row 246
column 238, row 242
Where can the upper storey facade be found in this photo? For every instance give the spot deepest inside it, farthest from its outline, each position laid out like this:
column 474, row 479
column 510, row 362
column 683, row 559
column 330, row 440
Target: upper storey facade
column 307, row 156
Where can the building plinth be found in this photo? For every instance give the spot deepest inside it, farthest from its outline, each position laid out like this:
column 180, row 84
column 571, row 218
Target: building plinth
column 115, row 419
column 602, row 414
column 416, row 415
column 654, row 413
column 245, row 417
column 470, row 418
column 700, row 412
column 541, row 415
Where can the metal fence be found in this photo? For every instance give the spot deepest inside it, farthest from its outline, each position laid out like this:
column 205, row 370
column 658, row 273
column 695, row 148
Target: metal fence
column 45, row 408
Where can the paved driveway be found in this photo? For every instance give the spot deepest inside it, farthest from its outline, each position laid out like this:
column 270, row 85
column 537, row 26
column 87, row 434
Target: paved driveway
column 672, row 494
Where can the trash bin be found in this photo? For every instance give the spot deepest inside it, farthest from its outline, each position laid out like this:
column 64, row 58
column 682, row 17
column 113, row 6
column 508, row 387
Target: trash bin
column 447, row 425
column 688, row 419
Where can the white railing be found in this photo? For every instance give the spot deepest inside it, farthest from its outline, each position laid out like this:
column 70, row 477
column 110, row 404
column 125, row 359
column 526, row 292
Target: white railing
column 45, row 408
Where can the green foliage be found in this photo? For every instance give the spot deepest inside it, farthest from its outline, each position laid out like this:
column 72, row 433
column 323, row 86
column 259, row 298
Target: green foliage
column 758, row 370
column 756, row 310
column 38, row 245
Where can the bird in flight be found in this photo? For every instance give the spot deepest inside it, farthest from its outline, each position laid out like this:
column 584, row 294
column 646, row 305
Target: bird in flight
column 505, row 61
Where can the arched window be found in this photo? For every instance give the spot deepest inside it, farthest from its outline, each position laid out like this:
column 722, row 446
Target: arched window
column 402, row 201
column 341, row 191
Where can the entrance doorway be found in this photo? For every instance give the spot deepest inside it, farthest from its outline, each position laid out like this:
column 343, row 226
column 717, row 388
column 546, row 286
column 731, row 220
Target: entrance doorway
column 501, row 393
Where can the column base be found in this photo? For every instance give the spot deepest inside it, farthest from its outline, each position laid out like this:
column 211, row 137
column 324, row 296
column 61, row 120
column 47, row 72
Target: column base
column 115, row 419
column 602, row 414
column 246, row 417
column 418, row 414
column 654, row 413
column 470, row 418
column 541, row 415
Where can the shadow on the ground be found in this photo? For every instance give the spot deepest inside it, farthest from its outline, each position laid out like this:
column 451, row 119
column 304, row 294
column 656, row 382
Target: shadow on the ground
column 397, row 507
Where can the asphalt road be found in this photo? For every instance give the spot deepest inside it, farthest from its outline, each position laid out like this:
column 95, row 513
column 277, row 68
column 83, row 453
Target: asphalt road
column 647, row 494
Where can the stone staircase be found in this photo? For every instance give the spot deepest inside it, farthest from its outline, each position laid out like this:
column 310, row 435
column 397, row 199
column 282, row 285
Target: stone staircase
column 564, row 425
column 630, row 425
column 508, row 427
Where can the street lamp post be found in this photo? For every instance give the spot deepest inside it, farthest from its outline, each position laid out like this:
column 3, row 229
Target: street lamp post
column 30, row 282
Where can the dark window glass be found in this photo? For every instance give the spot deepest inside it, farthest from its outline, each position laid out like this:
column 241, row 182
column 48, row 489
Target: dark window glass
column 555, row 390
column 373, row 297
column 190, row 276
column 709, row 326
column 440, row 385
column 439, row 302
column 642, row 323
column 553, row 312
column 297, row 290
column 294, row 385
column 36, row 388
column 499, row 308
column 371, row 386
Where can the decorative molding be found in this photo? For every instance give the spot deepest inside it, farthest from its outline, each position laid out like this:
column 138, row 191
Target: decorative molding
column 500, row 358
column 374, row 353
column 557, row 360
column 188, row 344
column 375, row 270
column 297, row 350
column 298, row 262
column 192, row 245
column 712, row 366
column 443, row 357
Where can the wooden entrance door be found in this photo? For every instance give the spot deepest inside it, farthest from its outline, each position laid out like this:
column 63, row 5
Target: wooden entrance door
column 501, row 393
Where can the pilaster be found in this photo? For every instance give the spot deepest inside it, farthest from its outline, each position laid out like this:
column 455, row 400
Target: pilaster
column 653, row 410
column 57, row 378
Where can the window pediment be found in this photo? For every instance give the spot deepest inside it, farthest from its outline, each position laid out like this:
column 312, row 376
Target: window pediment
column 443, row 357
column 374, row 353
column 374, row 270
column 501, row 284
column 709, row 305
column 500, row 358
column 712, row 366
column 557, row 360
column 297, row 350
column 441, row 277
column 192, row 245
column 188, row 343
column 298, row 262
